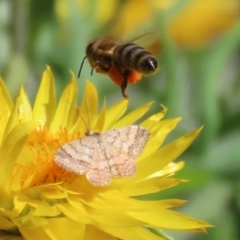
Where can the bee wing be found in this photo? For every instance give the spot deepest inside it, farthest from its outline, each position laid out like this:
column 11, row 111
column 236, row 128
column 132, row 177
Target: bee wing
column 106, row 44
column 150, row 41
column 143, row 37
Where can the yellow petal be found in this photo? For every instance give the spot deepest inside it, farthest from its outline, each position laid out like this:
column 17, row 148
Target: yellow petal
column 45, row 103
column 54, row 192
column 165, row 155
column 5, row 109
column 45, row 211
column 94, row 233
column 5, row 224
column 99, row 126
column 179, row 221
column 61, row 228
column 20, row 202
column 29, row 221
column 114, row 112
column 151, row 121
column 10, row 150
column 75, row 214
column 17, row 135
column 159, row 132
column 86, row 115
column 24, row 109
column 110, row 200
column 168, row 170
column 149, row 186
column 89, row 106
column 64, row 115
column 112, row 219
column 22, row 112
column 133, row 116
column 5, row 96
column 130, row 233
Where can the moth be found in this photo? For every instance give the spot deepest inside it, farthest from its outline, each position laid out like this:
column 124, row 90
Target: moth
column 101, row 156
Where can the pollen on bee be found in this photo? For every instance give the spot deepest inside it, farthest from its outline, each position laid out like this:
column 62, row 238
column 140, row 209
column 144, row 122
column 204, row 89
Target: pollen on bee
column 117, row 76
column 134, row 77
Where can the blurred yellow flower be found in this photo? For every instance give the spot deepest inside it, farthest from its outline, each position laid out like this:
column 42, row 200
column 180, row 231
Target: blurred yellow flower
column 192, row 23
column 203, row 20
column 189, row 23
column 40, row 200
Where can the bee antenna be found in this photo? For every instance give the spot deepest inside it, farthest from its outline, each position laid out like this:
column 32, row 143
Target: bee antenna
column 92, row 72
column 80, row 69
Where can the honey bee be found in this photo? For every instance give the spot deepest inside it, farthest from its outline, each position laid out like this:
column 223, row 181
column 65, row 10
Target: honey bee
column 124, row 62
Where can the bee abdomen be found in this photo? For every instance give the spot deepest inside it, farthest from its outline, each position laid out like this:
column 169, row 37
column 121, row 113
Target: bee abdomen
column 134, row 57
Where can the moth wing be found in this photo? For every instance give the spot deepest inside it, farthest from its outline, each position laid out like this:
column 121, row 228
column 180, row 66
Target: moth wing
column 130, row 140
column 76, row 156
column 120, row 164
column 122, row 145
column 99, row 172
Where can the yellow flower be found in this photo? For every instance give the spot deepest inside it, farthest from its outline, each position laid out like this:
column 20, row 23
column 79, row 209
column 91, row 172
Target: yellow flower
column 40, row 200
column 189, row 23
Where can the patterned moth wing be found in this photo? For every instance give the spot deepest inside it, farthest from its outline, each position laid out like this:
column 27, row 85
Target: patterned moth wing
column 101, row 156
column 76, row 156
column 122, row 146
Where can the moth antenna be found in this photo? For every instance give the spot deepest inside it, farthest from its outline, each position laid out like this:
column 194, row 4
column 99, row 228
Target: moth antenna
column 80, row 69
column 88, row 110
column 87, row 123
column 87, row 126
column 80, row 115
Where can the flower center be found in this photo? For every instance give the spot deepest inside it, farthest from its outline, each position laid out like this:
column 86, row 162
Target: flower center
column 36, row 165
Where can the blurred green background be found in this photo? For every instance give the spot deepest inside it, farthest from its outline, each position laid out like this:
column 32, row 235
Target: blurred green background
column 197, row 43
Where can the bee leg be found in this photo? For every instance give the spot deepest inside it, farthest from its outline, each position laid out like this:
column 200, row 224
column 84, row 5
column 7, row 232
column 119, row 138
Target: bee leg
column 125, row 84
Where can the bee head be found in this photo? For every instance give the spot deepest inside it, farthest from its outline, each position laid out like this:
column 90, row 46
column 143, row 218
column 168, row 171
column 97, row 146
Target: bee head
column 89, row 56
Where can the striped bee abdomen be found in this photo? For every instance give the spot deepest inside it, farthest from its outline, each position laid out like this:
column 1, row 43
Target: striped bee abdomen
column 133, row 57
